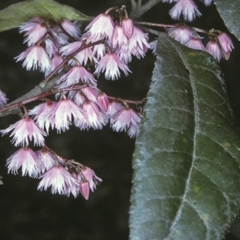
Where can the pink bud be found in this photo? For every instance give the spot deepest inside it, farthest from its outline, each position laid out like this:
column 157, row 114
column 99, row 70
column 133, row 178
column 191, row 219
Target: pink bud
column 103, row 101
column 127, row 26
column 84, row 189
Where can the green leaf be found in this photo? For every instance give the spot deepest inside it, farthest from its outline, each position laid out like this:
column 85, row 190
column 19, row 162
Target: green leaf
column 230, row 13
column 14, row 15
column 186, row 182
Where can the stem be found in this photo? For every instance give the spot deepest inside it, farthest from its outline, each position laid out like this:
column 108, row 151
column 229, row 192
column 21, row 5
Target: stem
column 13, row 107
column 139, row 4
column 149, row 24
column 147, row 6
column 133, row 4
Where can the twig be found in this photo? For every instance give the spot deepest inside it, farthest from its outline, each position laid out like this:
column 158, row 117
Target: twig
column 134, row 5
column 147, row 6
column 36, row 91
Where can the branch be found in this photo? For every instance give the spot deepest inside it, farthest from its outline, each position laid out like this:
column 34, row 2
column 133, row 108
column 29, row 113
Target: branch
column 133, row 4
column 147, row 6
column 37, row 90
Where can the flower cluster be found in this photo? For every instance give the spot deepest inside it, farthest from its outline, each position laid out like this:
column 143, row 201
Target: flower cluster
column 60, row 49
column 63, row 176
column 219, row 46
column 74, row 60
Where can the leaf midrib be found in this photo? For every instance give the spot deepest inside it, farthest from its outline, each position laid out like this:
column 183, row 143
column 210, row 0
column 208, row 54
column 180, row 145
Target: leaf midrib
column 196, row 126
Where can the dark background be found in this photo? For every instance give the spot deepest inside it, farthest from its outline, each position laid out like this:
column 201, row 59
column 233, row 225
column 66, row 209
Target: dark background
column 26, row 213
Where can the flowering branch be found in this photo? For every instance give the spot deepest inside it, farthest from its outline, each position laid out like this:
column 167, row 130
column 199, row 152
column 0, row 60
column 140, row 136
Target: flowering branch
column 72, row 62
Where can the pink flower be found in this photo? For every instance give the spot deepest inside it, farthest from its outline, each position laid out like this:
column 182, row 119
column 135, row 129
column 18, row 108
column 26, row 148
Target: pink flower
column 27, row 159
column 103, row 101
column 71, row 28
column 110, row 64
column 118, row 37
column 91, row 177
column 180, row 34
column 113, row 108
column 75, row 75
column 93, row 117
column 35, row 57
column 83, row 56
column 138, row 43
column 124, row 120
column 99, row 50
column 46, row 159
column 195, row 43
column 50, row 48
column 185, row 7
column 77, row 97
column 42, row 113
column 35, row 30
column 3, row 99
column 84, row 189
column 63, row 114
column 90, row 93
column 59, row 35
column 25, row 130
column 100, row 28
column 60, row 180
column 214, row 49
column 127, row 26
column 133, row 130
column 225, row 42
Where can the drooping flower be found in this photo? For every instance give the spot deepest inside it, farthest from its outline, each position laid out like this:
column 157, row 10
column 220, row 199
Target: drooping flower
column 25, row 130
column 195, row 43
column 60, row 181
column 138, row 43
column 110, row 65
column 75, row 75
column 185, row 7
column 226, row 44
column 127, row 26
column 35, row 57
column 126, row 120
column 180, row 34
column 46, row 158
column 42, row 114
column 100, row 28
column 94, row 118
column 64, row 112
column 103, row 101
column 90, row 177
column 118, row 37
column 50, row 48
column 27, row 159
column 214, row 49
column 34, row 30
column 71, row 28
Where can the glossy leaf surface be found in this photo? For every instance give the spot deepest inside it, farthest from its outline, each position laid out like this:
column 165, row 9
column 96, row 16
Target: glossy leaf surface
column 229, row 12
column 186, row 182
column 14, row 15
